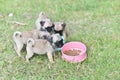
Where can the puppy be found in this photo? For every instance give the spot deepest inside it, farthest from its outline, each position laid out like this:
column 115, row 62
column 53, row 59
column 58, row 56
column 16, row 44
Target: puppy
column 40, row 20
column 59, row 27
column 43, row 22
column 39, row 46
column 20, row 38
column 56, row 41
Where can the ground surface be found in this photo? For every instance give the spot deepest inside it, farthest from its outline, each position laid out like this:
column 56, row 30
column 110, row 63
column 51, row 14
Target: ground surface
column 96, row 23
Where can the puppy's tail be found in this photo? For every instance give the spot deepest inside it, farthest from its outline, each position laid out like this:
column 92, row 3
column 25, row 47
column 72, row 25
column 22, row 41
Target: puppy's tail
column 30, row 42
column 17, row 34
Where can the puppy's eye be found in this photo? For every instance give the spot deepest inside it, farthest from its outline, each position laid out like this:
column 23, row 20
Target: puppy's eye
column 64, row 24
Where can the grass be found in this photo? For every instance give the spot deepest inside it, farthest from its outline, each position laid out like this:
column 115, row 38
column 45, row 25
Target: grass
column 93, row 22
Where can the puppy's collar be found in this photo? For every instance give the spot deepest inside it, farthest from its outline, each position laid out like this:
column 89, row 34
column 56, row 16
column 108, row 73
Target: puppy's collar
column 57, row 49
column 63, row 39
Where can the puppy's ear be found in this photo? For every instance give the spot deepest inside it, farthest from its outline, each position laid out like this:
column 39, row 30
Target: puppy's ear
column 53, row 25
column 29, row 41
column 41, row 14
column 64, row 24
column 42, row 23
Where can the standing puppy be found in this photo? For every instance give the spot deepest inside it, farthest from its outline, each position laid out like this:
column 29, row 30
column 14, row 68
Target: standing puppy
column 56, row 41
column 39, row 46
column 43, row 22
column 20, row 38
column 59, row 27
column 40, row 20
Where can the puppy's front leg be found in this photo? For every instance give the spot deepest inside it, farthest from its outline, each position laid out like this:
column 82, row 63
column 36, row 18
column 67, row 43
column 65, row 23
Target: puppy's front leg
column 50, row 57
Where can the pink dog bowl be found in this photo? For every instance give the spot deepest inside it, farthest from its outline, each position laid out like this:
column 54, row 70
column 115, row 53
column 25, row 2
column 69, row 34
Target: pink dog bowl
column 78, row 46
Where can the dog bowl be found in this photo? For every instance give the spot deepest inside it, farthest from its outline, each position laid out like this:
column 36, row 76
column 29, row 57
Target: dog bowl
column 74, row 52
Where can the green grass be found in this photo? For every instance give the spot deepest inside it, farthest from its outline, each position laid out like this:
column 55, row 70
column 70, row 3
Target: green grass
column 93, row 22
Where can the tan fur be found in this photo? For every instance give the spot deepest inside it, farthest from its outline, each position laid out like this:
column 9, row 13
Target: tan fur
column 39, row 46
column 48, row 23
column 58, row 26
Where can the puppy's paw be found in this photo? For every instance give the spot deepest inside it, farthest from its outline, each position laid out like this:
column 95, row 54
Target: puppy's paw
column 19, row 55
column 52, row 62
column 27, row 61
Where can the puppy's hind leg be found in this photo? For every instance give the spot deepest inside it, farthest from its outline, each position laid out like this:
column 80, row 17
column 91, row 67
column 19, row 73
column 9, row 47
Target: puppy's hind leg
column 19, row 47
column 29, row 54
column 15, row 46
column 50, row 57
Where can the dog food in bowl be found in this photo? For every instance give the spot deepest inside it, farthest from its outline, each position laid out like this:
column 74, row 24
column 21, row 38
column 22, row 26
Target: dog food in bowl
column 72, row 52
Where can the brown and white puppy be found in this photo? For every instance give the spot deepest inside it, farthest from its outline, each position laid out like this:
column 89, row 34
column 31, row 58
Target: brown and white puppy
column 43, row 22
column 39, row 46
column 59, row 27
column 20, row 38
